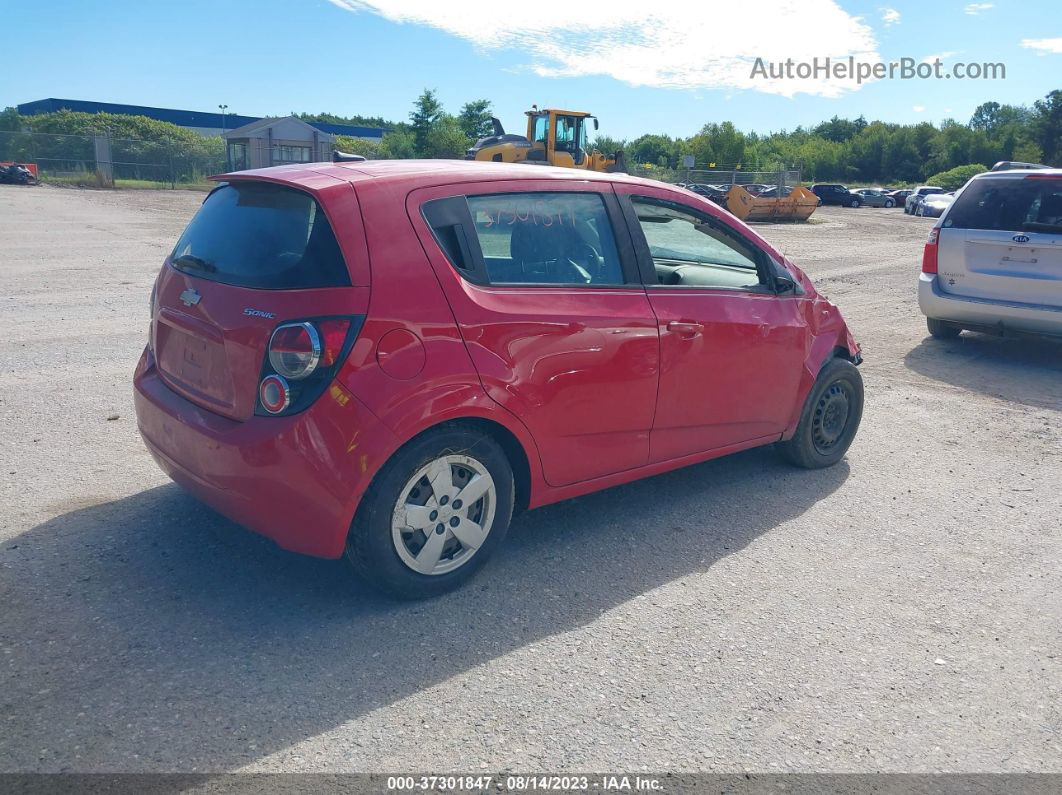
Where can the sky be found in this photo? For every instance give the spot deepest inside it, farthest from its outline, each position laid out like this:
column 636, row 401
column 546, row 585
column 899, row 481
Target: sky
column 640, row 67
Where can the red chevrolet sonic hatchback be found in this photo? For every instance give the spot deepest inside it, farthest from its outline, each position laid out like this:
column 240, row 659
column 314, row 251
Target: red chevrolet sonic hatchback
column 387, row 359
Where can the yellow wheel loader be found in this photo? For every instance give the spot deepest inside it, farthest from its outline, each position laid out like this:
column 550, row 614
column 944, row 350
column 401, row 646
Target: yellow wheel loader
column 554, row 138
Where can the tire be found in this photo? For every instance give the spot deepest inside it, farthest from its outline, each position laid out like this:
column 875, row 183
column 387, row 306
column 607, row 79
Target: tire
column 889, row 203
column 906, row 210
column 373, row 545
column 829, row 419
column 942, row 330
column 854, row 203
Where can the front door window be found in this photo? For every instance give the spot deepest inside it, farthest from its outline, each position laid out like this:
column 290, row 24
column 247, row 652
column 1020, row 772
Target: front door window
column 691, row 251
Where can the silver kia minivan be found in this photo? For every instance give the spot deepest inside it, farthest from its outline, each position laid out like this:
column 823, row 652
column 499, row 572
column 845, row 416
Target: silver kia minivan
column 993, row 262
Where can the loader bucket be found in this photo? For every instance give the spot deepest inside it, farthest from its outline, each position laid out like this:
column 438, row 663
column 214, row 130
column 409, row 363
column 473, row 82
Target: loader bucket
column 797, row 206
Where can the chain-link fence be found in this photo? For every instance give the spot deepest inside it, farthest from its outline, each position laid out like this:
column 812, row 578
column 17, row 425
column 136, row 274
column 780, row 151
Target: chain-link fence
column 103, row 161
column 722, row 177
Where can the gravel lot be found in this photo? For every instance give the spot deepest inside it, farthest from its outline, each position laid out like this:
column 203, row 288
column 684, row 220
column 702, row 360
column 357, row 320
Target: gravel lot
column 899, row 612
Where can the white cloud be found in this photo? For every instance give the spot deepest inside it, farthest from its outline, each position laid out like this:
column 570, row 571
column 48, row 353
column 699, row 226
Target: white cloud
column 918, row 108
column 1044, row 45
column 663, row 45
column 976, row 8
column 943, row 56
column 890, row 16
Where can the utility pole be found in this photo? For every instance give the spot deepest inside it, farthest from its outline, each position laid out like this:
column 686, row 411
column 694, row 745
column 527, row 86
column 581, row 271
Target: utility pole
column 228, row 159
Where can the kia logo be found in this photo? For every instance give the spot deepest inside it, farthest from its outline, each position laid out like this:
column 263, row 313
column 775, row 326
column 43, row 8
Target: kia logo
column 1020, row 238
column 190, row 297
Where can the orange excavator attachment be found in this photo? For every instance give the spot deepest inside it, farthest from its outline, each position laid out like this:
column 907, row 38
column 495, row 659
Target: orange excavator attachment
column 797, row 206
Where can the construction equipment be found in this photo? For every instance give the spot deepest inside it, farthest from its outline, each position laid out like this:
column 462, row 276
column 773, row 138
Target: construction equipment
column 554, row 138
column 772, row 205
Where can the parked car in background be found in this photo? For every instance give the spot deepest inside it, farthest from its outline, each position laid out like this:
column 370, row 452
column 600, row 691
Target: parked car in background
column 523, row 336
column 832, row 193
column 714, row 193
column 755, row 188
column 918, row 196
column 875, row 197
column 899, row 196
column 934, row 205
column 993, row 261
column 1010, row 165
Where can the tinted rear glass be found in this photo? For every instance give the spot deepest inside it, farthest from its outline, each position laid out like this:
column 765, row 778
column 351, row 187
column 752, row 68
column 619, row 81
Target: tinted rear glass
column 1019, row 204
column 253, row 234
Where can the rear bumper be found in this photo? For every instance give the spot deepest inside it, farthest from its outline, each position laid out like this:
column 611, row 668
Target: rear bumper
column 296, row 480
column 982, row 314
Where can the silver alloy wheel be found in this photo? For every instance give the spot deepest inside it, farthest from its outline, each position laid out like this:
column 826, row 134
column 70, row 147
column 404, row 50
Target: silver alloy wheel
column 444, row 514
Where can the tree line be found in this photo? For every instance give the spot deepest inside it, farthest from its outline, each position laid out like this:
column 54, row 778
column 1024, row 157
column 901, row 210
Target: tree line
column 855, row 150
column 848, row 150
column 843, row 150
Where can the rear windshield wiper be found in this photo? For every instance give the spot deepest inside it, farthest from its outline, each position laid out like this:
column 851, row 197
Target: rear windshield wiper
column 194, row 262
column 1037, row 226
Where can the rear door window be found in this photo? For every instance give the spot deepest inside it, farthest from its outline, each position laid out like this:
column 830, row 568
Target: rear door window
column 1032, row 204
column 541, row 238
column 256, row 234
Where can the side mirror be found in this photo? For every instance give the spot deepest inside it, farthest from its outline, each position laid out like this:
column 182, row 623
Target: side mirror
column 784, row 283
column 595, row 121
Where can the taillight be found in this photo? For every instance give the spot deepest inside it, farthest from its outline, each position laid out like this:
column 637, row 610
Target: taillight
column 333, row 338
column 929, row 253
column 295, row 350
column 274, row 394
column 302, row 359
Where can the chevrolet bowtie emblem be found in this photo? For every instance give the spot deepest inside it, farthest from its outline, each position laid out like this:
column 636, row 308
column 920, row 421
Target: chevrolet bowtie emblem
column 190, row 297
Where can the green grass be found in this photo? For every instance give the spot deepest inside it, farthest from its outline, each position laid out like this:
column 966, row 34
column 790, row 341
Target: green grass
column 147, row 184
column 88, row 180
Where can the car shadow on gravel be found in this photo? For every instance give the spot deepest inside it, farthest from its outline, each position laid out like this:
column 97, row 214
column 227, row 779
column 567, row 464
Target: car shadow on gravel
column 1025, row 370
column 149, row 633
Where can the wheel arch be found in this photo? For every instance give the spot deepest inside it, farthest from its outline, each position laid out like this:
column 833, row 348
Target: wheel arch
column 519, row 449
column 833, row 341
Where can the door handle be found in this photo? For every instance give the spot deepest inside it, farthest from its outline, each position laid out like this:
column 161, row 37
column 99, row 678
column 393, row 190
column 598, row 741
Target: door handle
column 684, row 328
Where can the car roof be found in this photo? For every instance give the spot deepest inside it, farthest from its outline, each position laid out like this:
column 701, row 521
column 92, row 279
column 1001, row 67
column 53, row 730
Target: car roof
column 1020, row 172
column 425, row 173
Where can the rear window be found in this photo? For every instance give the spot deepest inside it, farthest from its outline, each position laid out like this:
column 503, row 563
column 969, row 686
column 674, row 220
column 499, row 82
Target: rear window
column 254, row 234
column 1020, row 204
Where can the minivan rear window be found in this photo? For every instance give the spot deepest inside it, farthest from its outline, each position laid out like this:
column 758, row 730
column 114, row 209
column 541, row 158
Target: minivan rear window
column 256, row 234
column 1018, row 204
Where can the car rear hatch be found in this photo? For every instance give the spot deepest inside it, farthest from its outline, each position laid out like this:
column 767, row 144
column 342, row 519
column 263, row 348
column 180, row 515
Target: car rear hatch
column 1002, row 240
column 256, row 255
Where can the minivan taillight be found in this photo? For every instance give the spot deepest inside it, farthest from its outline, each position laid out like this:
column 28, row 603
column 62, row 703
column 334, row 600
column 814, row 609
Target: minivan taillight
column 929, row 253
column 302, row 359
